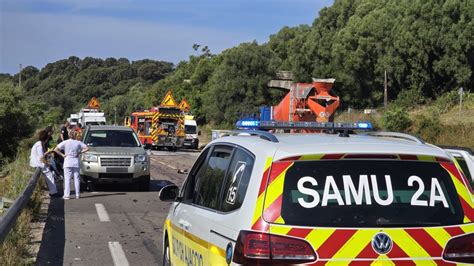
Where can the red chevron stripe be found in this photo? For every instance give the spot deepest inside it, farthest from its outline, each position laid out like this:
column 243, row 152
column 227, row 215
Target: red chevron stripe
column 263, row 183
column 367, row 253
column 260, row 225
column 273, row 211
column 277, row 169
column 397, row 252
column 334, row 243
column 454, row 231
column 451, row 168
column 332, row 156
column 360, row 263
column 425, row 240
column 408, row 157
column 468, row 210
column 299, row 232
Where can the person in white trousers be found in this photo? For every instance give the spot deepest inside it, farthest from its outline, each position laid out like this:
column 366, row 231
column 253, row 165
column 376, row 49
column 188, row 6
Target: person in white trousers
column 37, row 159
column 72, row 150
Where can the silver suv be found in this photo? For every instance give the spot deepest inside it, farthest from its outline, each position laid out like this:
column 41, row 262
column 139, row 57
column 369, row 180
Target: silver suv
column 115, row 156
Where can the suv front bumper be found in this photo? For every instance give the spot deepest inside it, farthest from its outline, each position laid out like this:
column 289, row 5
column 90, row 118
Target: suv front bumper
column 103, row 171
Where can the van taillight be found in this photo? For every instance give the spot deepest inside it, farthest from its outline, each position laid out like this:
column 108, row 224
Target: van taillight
column 256, row 247
column 460, row 249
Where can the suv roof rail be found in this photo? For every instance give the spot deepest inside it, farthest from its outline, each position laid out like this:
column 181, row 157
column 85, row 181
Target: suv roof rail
column 398, row 135
column 262, row 134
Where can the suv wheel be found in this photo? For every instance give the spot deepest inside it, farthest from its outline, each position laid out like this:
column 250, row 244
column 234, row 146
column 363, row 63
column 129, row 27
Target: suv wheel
column 166, row 254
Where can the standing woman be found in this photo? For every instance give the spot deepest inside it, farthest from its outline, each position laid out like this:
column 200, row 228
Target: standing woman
column 37, row 159
column 72, row 150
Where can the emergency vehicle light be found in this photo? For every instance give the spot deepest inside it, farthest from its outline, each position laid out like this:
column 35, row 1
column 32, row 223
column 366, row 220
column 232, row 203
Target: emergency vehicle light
column 315, row 125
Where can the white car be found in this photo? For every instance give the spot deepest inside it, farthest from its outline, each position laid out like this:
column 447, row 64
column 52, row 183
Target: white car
column 465, row 158
column 263, row 198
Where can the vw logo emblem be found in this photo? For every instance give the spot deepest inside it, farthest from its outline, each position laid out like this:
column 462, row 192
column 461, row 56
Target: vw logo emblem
column 382, row 243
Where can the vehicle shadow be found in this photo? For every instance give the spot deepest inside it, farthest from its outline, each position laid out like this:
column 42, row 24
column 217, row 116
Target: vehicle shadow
column 155, row 186
column 51, row 251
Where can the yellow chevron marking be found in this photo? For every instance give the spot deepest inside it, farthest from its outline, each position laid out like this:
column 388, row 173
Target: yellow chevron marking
column 259, row 205
column 275, row 189
column 268, row 162
column 426, row 158
column 280, row 220
column 468, row 228
column 408, row 244
column 438, row 234
column 317, row 237
column 462, row 191
column 311, row 157
column 356, row 244
column 382, row 260
column 280, row 230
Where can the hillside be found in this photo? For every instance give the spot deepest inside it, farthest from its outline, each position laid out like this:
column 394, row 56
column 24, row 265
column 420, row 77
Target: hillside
column 426, row 48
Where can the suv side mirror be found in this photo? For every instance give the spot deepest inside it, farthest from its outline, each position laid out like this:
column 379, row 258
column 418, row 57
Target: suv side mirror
column 169, row 193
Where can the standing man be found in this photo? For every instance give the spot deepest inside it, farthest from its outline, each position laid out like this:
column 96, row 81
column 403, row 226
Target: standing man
column 64, row 135
column 37, row 159
column 72, row 150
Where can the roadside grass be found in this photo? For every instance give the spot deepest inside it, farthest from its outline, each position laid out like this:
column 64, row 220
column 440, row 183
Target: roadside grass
column 440, row 122
column 15, row 250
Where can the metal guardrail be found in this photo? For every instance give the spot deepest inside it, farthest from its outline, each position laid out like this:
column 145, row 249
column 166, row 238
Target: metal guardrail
column 8, row 219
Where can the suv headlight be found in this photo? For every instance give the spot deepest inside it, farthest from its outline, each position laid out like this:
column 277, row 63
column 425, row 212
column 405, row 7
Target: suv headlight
column 89, row 157
column 140, row 158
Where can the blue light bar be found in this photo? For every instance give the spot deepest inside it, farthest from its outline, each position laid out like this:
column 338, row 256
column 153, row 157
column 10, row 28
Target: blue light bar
column 315, row 125
column 247, row 124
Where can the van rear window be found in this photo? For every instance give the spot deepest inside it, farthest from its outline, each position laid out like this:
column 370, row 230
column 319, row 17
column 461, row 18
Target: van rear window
column 369, row 193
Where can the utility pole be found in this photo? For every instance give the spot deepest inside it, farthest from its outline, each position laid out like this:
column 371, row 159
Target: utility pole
column 461, row 93
column 19, row 77
column 115, row 115
column 385, row 98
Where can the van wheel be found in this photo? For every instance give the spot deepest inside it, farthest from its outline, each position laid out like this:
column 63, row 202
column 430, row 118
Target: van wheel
column 91, row 186
column 166, row 254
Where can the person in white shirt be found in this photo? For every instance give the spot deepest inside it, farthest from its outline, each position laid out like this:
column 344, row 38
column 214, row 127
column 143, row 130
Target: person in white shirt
column 37, row 159
column 72, row 150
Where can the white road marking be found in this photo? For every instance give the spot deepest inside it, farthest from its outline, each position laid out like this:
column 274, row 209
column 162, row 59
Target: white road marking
column 117, row 254
column 160, row 162
column 172, row 167
column 103, row 215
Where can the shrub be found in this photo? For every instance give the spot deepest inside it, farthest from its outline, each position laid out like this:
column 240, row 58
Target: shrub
column 427, row 127
column 396, row 119
column 410, row 98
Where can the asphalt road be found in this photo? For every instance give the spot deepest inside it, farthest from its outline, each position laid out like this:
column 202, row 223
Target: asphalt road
column 115, row 225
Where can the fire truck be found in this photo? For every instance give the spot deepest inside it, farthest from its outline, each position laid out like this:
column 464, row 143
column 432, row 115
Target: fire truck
column 161, row 126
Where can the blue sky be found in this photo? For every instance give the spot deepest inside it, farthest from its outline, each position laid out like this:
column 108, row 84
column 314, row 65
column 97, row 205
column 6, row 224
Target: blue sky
column 37, row 32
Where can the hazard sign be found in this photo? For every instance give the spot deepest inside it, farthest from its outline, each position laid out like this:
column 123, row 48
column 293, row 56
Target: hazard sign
column 93, row 103
column 168, row 101
column 184, row 105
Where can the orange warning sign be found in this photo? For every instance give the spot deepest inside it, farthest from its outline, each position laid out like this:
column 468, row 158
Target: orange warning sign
column 93, row 103
column 168, row 101
column 184, row 106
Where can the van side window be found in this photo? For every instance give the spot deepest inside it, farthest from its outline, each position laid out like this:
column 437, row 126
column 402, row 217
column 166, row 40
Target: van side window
column 210, row 177
column 237, row 180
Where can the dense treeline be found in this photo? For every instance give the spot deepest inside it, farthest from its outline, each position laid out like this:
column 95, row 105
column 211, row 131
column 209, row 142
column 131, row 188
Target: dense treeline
column 426, row 48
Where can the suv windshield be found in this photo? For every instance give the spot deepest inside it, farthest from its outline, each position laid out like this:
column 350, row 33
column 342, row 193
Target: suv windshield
column 112, row 138
column 369, row 193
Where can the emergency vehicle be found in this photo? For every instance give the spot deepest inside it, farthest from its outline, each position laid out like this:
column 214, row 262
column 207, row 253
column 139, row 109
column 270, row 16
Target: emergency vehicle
column 317, row 199
column 141, row 123
column 161, row 126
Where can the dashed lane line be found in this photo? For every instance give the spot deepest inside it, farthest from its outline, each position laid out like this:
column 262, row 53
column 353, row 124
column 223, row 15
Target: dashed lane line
column 117, row 254
column 160, row 162
column 103, row 215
